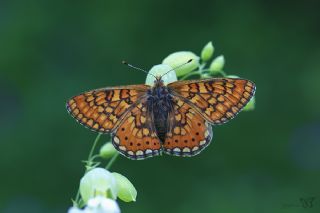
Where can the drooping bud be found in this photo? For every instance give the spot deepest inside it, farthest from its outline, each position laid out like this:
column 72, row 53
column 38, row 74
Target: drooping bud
column 126, row 190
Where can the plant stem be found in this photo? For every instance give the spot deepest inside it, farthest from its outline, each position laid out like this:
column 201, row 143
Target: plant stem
column 223, row 73
column 89, row 162
column 112, row 160
column 94, row 146
column 190, row 74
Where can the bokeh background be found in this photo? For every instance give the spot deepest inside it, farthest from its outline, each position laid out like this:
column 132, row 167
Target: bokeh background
column 266, row 160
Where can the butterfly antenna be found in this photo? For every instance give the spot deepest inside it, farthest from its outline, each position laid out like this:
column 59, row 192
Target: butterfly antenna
column 177, row 67
column 136, row 68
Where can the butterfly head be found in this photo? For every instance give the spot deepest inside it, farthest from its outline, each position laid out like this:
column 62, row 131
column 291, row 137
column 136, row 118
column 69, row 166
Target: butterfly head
column 158, row 82
column 159, row 75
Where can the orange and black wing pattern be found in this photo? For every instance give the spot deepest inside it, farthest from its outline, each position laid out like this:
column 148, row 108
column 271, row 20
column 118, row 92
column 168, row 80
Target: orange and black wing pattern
column 218, row 100
column 103, row 110
column 189, row 133
column 136, row 137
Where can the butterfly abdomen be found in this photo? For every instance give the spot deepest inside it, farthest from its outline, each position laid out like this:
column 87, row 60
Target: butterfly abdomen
column 160, row 105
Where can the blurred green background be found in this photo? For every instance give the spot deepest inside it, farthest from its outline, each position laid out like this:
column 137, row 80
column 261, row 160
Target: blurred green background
column 262, row 161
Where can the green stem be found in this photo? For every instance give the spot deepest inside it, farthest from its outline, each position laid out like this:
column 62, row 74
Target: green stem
column 112, row 160
column 94, row 146
column 201, row 67
column 223, row 73
column 89, row 162
column 190, row 74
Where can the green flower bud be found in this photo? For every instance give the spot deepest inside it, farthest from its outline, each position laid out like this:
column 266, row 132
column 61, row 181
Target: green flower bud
column 250, row 105
column 107, row 151
column 217, row 64
column 160, row 70
column 98, row 182
column 178, row 58
column 126, row 192
column 207, row 52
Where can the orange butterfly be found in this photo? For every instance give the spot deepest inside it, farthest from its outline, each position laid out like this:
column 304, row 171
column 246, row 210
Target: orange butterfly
column 175, row 119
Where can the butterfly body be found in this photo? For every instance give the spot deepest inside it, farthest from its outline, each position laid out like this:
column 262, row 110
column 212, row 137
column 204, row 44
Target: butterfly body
column 175, row 119
column 159, row 107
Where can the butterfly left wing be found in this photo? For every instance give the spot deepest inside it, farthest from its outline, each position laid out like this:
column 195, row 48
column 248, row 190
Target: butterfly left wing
column 189, row 133
column 136, row 137
column 218, row 99
column 102, row 110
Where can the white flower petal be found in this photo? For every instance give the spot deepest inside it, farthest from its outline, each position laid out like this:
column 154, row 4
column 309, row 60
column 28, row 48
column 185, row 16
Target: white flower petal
column 75, row 210
column 102, row 205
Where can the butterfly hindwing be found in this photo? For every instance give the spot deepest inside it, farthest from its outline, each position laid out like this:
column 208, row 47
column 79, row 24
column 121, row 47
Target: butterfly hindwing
column 189, row 133
column 219, row 99
column 136, row 137
column 102, row 110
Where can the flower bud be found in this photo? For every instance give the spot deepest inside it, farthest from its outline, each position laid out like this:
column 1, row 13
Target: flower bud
column 98, row 182
column 250, row 105
column 126, row 190
column 217, row 64
column 207, row 51
column 160, row 70
column 178, row 58
column 107, row 150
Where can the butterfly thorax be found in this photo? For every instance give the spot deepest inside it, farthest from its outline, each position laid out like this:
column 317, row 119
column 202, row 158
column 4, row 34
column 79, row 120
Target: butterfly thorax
column 159, row 106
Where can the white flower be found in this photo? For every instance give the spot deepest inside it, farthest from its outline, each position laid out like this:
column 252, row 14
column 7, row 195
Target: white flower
column 98, row 204
column 102, row 205
column 98, row 182
column 75, row 210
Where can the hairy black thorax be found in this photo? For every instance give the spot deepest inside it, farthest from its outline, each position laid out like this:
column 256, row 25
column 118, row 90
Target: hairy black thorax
column 160, row 105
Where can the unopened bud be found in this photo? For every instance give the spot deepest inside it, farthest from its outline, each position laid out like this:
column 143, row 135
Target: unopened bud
column 217, row 64
column 107, row 151
column 207, row 51
column 176, row 59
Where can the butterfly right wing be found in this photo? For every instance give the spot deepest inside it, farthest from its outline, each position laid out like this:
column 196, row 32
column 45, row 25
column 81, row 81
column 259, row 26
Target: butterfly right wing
column 217, row 99
column 103, row 110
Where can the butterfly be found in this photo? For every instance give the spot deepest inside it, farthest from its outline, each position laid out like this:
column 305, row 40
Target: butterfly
column 146, row 121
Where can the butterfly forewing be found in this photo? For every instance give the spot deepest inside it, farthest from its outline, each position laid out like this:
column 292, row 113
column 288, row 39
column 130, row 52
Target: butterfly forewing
column 218, row 100
column 103, row 110
column 189, row 133
column 136, row 137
